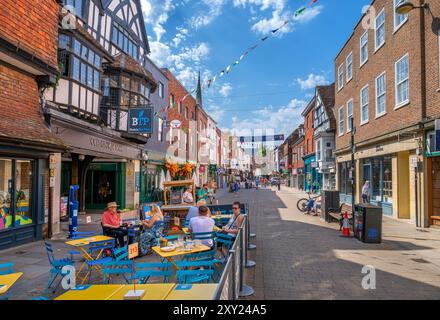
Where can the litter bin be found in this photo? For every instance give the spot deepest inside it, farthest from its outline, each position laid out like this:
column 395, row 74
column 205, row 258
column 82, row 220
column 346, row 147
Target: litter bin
column 329, row 200
column 367, row 220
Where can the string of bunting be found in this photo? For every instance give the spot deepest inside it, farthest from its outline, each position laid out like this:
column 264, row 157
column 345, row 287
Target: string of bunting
column 228, row 69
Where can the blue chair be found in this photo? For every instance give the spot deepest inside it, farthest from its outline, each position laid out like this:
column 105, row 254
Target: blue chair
column 6, row 268
column 225, row 241
column 123, row 267
column 201, row 256
column 99, row 251
column 56, row 266
column 120, row 254
column 144, row 271
column 205, row 236
column 196, row 271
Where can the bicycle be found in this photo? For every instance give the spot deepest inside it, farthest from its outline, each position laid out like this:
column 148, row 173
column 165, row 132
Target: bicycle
column 304, row 205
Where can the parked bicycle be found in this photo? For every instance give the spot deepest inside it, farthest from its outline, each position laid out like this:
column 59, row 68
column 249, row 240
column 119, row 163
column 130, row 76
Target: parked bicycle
column 306, row 205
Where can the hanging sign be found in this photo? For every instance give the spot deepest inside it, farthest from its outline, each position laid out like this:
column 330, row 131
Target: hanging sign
column 140, row 120
column 176, row 124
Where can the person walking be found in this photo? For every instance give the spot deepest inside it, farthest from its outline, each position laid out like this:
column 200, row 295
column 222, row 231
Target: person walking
column 236, row 187
column 366, row 192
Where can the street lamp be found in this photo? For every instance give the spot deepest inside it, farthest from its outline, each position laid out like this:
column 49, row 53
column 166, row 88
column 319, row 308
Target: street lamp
column 407, row 6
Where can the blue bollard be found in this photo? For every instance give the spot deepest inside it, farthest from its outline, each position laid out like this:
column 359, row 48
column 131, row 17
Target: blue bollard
column 73, row 211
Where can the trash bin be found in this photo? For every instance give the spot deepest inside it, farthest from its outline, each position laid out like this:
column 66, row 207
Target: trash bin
column 367, row 220
column 329, row 200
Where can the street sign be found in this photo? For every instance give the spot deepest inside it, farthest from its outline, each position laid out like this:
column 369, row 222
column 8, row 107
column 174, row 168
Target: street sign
column 277, row 137
column 140, row 120
column 133, row 250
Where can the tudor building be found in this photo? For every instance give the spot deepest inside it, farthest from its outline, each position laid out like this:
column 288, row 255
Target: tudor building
column 102, row 57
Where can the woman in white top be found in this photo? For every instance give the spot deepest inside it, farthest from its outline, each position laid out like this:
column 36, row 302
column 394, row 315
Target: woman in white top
column 188, row 196
column 366, row 192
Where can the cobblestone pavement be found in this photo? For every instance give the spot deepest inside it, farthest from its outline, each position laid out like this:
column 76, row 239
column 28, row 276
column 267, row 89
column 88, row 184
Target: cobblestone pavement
column 303, row 257
column 297, row 256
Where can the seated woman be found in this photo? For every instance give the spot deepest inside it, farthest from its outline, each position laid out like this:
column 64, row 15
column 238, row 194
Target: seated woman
column 152, row 230
column 188, row 196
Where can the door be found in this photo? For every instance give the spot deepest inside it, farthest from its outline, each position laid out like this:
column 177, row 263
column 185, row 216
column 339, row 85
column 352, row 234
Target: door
column 435, row 191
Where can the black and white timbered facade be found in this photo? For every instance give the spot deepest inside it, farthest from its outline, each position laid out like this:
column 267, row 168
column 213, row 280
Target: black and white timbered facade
column 102, row 54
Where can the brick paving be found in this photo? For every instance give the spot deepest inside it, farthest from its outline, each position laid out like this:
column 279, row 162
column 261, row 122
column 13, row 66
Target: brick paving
column 297, row 256
column 303, row 257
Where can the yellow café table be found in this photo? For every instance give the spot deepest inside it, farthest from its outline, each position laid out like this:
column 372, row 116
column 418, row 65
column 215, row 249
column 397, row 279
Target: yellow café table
column 81, row 245
column 94, row 292
column 153, row 291
column 8, row 280
column 203, row 291
column 171, row 255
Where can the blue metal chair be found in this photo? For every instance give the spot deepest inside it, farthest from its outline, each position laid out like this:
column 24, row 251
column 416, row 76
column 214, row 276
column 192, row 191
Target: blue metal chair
column 56, row 266
column 99, row 251
column 195, row 271
column 6, row 268
column 123, row 267
column 120, row 254
column 205, row 236
column 144, row 271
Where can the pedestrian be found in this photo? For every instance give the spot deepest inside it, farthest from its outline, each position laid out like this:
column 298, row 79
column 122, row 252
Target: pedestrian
column 366, row 192
column 279, row 185
column 236, row 187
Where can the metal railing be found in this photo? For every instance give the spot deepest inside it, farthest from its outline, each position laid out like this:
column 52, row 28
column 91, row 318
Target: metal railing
column 232, row 283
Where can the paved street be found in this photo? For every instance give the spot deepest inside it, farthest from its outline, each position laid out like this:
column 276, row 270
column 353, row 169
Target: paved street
column 297, row 256
column 302, row 257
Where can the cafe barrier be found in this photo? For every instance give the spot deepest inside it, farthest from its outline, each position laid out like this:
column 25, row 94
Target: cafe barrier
column 231, row 285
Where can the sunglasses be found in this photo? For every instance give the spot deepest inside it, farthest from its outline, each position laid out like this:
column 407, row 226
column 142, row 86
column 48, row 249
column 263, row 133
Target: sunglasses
column 235, row 208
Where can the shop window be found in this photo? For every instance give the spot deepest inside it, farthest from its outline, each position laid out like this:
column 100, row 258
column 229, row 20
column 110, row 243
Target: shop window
column 16, row 178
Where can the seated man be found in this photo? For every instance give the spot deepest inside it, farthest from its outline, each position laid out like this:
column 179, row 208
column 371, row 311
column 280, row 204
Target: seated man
column 202, row 223
column 111, row 223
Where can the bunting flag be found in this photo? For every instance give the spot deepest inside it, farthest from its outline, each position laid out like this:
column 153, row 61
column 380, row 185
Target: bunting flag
column 297, row 13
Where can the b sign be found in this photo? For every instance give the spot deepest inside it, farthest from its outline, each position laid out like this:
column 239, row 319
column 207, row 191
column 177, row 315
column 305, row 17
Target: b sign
column 140, row 120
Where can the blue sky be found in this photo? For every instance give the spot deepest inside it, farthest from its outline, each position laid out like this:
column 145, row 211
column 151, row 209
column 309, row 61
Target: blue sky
column 270, row 87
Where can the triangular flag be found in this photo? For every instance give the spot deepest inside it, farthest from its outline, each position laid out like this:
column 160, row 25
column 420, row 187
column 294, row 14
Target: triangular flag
column 228, row 69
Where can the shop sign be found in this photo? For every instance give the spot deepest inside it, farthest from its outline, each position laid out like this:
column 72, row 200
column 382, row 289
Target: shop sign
column 140, row 120
column 314, row 164
column 176, row 124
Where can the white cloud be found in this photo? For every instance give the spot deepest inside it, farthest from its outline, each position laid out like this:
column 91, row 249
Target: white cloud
column 280, row 121
column 156, row 13
column 225, row 90
column 214, row 9
column 215, row 112
column 312, row 81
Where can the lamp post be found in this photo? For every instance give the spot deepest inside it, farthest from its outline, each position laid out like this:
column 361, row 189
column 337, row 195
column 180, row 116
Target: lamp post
column 405, row 7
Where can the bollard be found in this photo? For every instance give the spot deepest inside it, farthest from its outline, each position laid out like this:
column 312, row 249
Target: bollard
column 249, row 263
column 245, row 290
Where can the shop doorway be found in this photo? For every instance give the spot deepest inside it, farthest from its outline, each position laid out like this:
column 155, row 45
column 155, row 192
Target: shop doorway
column 104, row 184
column 434, row 191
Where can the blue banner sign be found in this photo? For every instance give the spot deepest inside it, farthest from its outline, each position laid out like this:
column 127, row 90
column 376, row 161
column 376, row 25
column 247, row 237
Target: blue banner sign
column 140, row 120
column 278, row 137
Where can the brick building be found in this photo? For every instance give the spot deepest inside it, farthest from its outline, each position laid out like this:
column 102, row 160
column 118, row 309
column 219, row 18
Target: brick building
column 310, row 173
column 379, row 83
column 203, row 140
column 28, row 66
column 181, row 142
column 297, row 165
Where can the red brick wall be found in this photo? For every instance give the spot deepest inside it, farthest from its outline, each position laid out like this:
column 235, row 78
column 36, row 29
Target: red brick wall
column 178, row 90
column 397, row 44
column 432, row 63
column 31, row 25
column 309, row 141
column 297, row 149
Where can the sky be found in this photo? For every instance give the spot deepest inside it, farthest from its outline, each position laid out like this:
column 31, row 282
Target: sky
column 268, row 90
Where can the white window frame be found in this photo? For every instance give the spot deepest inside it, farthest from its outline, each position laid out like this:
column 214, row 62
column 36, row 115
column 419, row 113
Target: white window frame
column 347, row 65
column 340, row 75
column 396, row 28
column 160, row 131
column 378, row 115
column 318, row 150
column 377, row 46
column 348, row 114
column 341, row 120
column 402, row 103
column 361, row 105
column 161, row 89
column 360, row 48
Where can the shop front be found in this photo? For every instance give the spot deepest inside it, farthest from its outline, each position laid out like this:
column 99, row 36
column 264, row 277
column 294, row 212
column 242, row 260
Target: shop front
column 311, row 175
column 379, row 172
column 22, row 193
column 152, row 170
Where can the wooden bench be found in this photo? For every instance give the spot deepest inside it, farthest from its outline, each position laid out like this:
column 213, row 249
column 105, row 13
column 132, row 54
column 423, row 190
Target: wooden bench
column 338, row 214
